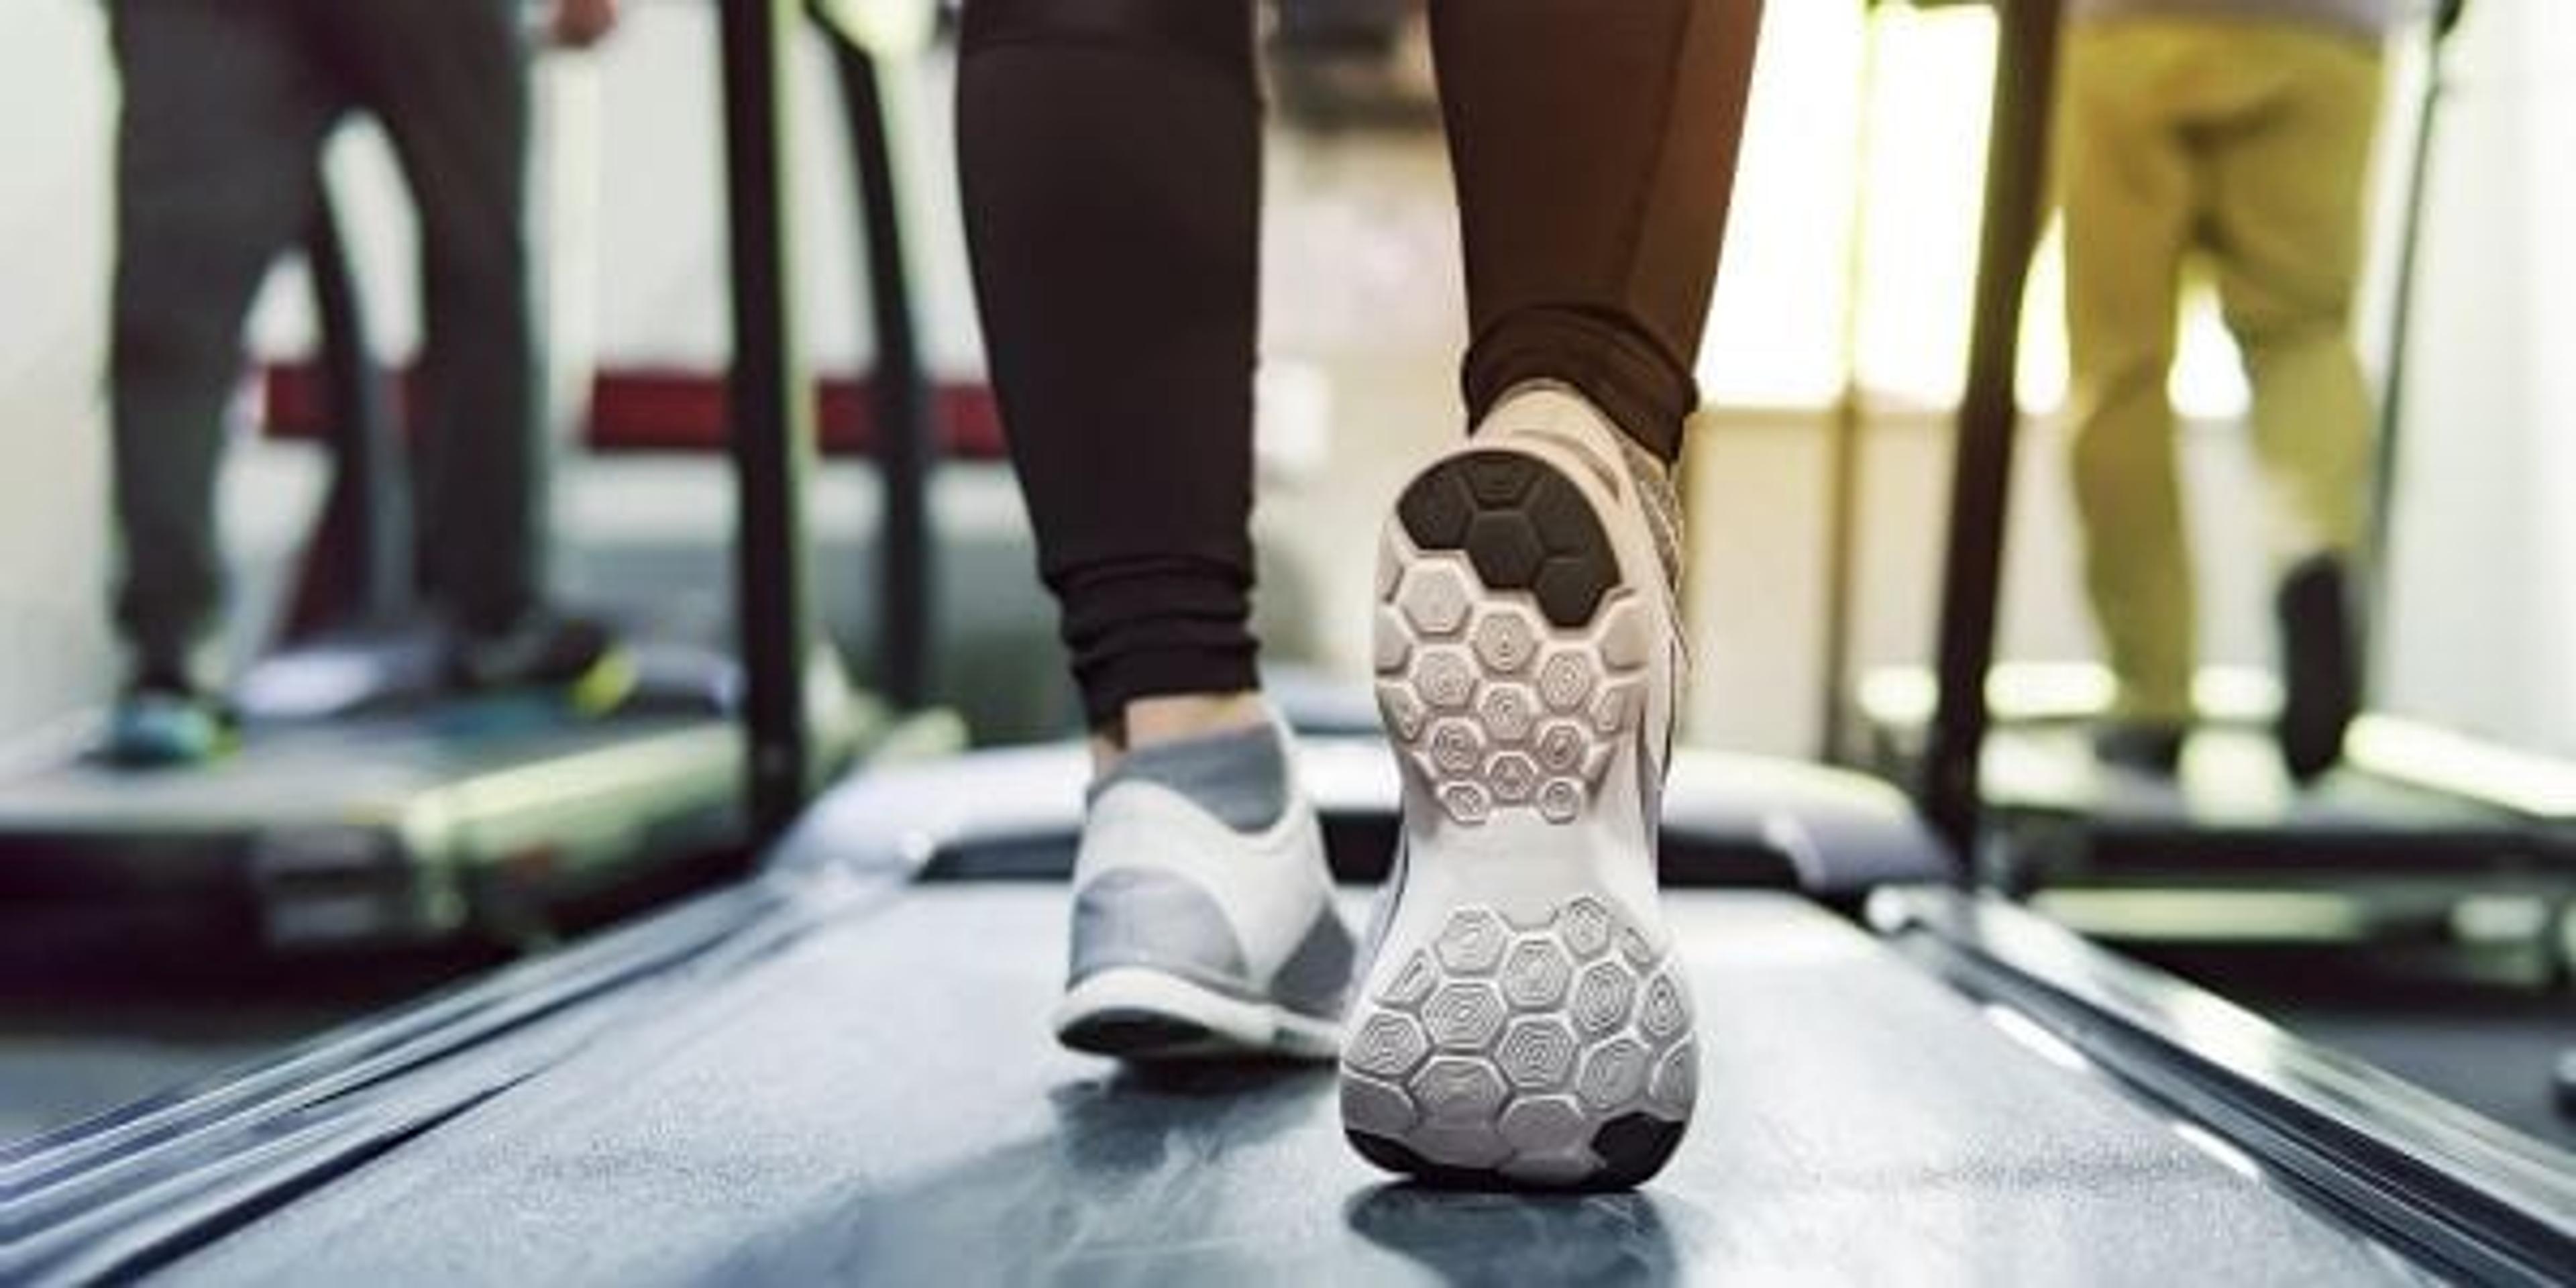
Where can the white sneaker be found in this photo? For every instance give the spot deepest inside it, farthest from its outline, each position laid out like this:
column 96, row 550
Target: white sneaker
column 1522, row 1020
column 1192, row 939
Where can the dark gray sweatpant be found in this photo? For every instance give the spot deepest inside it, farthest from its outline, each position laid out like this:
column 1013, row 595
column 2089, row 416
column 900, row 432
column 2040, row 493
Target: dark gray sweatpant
column 227, row 103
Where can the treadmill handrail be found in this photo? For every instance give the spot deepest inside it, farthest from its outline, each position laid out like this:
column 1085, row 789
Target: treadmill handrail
column 899, row 385
column 773, row 412
column 1989, row 412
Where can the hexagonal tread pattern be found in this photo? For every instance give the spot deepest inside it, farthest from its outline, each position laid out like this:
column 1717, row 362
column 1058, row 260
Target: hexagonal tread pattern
column 1556, row 1053
column 1512, row 663
column 1522, row 524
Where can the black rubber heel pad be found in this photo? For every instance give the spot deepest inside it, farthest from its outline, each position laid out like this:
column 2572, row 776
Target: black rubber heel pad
column 1524, row 526
column 1633, row 1147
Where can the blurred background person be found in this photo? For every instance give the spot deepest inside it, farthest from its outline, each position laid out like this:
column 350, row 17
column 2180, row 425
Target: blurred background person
column 226, row 107
column 2238, row 131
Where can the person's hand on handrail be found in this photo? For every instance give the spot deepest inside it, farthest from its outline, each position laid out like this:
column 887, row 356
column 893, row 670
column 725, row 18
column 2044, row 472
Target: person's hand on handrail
column 580, row 24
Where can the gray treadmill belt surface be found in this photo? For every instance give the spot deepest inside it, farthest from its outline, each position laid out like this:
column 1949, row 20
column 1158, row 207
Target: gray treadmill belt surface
column 875, row 1099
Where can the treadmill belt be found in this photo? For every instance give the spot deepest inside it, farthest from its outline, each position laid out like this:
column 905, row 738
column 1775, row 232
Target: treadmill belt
column 877, row 1101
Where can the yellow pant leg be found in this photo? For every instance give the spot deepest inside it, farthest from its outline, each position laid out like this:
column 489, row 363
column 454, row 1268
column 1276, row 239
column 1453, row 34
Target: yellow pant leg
column 2127, row 189
column 2286, row 219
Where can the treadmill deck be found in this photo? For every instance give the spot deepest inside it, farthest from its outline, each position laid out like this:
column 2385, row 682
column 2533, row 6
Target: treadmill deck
column 346, row 772
column 876, row 1100
column 371, row 831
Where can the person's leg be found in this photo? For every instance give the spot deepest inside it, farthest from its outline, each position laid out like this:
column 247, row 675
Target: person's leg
column 1110, row 154
column 1594, row 149
column 2128, row 196
column 1529, row 649
column 449, row 79
column 223, row 112
column 2289, row 192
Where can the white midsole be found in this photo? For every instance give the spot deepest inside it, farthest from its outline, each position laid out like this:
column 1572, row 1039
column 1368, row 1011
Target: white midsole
column 1237, row 1024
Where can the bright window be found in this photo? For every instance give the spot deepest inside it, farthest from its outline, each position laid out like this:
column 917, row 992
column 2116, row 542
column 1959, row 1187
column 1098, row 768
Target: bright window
column 1778, row 336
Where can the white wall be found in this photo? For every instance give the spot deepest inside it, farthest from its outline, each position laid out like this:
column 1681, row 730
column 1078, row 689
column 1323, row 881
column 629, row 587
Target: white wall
column 2482, row 597
column 53, row 309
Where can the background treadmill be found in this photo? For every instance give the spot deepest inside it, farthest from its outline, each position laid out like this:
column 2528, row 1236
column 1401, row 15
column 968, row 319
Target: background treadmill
column 2449, row 866
column 122, row 970
column 367, row 809
column 365, row 806
column 2396, row 849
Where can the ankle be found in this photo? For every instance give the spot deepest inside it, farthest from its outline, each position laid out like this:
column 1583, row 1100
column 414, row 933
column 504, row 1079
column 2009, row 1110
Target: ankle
column 1169, row 718
column 177, row 678
column 1177, row 717
column 1233, row 768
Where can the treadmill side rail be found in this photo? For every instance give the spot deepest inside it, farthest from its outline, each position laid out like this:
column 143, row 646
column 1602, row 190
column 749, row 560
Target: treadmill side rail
column 2419, row 1173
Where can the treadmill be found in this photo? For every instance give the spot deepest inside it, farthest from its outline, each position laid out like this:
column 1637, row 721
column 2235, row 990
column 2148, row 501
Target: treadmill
column 2422, row 841
column 367, row 807
column 841, row 1072
column 840, row 1069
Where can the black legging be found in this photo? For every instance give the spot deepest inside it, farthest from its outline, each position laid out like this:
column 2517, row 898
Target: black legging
column 1111, row 156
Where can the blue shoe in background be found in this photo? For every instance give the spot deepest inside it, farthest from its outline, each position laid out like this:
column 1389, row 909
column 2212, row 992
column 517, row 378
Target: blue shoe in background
column 168, row 727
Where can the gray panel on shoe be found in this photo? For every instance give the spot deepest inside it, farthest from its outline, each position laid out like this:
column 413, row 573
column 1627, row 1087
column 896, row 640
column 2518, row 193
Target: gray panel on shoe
column 1135, row 917
column 1317, row 975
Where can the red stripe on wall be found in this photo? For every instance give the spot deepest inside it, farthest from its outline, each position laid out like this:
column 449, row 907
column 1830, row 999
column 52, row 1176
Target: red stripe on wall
column 669, row 410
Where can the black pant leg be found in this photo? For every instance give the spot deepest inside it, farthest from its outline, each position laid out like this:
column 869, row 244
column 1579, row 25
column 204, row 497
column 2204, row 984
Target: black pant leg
column 449, row 79
column 1594, row 145
column 1110, row 155
column 225, row 108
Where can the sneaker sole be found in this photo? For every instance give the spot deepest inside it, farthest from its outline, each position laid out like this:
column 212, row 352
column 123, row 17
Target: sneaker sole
column 1538, row 1035
column 1133, row 1013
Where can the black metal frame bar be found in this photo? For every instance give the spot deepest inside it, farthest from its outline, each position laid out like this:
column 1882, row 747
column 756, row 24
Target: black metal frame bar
column 2401, row 325
column 1989, row 413
column 771, row 412
column 898, row 387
